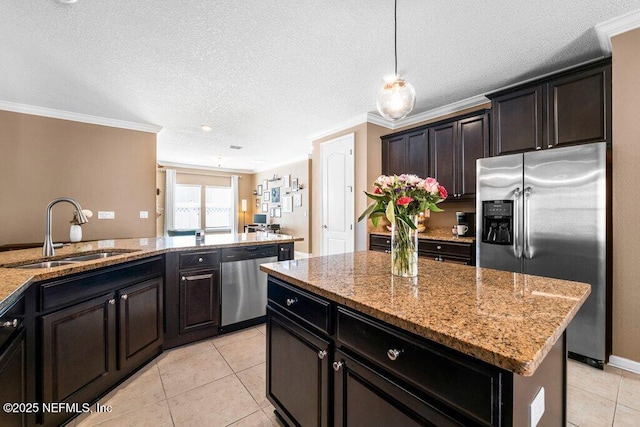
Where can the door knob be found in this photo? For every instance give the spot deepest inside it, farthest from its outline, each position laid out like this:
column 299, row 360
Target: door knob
column 324, row 226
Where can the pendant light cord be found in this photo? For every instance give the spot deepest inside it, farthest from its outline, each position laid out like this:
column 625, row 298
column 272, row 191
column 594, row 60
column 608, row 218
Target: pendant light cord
column 395, row 35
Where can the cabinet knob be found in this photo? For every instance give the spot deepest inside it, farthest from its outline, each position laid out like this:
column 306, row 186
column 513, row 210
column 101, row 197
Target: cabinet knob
column 387, row 251
column 538, row 148
column 124, row 297
column 281, row 249
column 112, row 301
column 393, row 354
column 200, row 260
column 388, row 242
column 337, row 366
column 184, row 278
column 438, row 247
column 322, row 354
column 10, row 324
column 291, row 301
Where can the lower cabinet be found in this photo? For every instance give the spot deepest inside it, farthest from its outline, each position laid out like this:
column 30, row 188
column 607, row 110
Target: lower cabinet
column 87, row 347
column 12, row 379
column 438, row 250
column 298, row 372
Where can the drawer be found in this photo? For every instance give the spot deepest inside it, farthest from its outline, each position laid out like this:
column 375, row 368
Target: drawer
column 198, row 259
column 380, row 242
column 445, row 248
column 309, row 308
column 443, row 374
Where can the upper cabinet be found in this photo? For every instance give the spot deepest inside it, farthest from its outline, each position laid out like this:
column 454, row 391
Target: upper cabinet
column 405, row 152
column 454, row 148
column 568, row 108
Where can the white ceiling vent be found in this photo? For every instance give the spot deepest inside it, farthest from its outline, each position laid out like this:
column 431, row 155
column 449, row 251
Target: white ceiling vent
column 235, row 147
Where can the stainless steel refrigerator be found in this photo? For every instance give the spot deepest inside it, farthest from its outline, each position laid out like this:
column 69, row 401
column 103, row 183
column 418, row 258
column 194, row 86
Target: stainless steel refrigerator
column 545, row 213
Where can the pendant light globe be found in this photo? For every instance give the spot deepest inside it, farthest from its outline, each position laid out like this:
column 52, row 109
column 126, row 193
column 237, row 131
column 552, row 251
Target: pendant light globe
column 396, row 99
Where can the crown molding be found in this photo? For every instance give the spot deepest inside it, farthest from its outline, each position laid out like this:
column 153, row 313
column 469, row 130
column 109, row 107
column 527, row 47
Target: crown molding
column 77, row 117
column 613, row 27
column 352, row 122
column 454, row 107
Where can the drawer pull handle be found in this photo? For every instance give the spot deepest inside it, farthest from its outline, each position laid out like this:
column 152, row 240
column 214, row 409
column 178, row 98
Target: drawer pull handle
column 10, row 324
column 337, row 366
column 393, row 354
column 291, row 301
column 112, row 301
column 125, row 297
column 200, row 260
column 322, row 354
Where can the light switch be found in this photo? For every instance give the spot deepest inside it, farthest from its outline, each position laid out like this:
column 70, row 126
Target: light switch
column 144, row 214
column 106, row 215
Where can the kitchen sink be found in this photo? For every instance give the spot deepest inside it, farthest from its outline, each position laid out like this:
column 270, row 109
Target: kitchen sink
column 46, row 264
column 90, row 257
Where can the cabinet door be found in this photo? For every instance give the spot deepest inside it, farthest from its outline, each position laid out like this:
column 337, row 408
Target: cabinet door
column 78, row 351
column 473, row 144
column 297, row 372
column 139, row 323
column 12, row 378
column 417, row 155
column 442, row 140
column 518, row 120
column 199, row 300
column 580, row 107
column 285, row 251
column 393, row 155
column 365, row 397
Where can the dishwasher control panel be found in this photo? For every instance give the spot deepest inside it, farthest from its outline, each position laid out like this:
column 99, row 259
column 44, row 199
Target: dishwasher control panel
column 248, row 252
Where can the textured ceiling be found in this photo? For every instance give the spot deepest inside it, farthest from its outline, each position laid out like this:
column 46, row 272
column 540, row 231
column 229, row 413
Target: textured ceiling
column 268, row 74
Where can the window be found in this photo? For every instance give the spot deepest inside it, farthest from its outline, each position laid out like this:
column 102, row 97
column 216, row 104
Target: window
column 218, row 207
column 188, row 207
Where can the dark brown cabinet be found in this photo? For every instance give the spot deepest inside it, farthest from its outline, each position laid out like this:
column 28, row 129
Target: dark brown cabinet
column 193, row 296
column 406, row 153
column 438, row 250
column 285, row 251
column 454, row 148
column 12, row 378
column 571, row 107
column 298, row 364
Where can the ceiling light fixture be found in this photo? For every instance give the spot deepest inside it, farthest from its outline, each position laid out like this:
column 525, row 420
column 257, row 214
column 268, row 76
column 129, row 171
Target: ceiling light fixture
column 206, row 128
column 68, row 1
column 396, row 98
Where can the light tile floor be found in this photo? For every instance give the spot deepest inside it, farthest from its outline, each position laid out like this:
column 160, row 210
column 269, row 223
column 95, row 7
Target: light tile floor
column 221, row 382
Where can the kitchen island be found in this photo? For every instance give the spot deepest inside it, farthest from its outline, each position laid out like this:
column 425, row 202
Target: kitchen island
column 456, row 345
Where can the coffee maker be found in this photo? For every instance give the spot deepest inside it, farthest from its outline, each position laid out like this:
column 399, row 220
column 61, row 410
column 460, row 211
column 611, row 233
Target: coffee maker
column 468, row 219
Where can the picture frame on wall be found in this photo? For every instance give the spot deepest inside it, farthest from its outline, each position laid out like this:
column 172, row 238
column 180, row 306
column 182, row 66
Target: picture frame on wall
column 265, row 207
column 272, row 212
column 259, row 192
column 287, row 204
column 294, row 184
column 275, row 195
column 265, row 185
column 278, row 212
column 258, row 203
column 297, row 200
column 286, row 181
column 266, row 196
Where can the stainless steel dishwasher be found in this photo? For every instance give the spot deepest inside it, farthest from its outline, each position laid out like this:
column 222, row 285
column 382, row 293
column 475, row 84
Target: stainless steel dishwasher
column 244, row 286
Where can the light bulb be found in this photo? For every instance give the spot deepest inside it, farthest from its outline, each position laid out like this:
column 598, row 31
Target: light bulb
column 396, row 99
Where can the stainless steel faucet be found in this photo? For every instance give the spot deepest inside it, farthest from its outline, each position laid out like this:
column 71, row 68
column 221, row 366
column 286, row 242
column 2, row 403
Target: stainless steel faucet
column 47, row 248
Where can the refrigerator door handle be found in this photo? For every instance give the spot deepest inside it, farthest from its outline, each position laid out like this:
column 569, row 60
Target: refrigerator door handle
column 528, row 250
column 517, row 249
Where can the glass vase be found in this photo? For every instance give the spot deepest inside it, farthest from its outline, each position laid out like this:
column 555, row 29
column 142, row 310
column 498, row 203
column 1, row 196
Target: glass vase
column 404, row 248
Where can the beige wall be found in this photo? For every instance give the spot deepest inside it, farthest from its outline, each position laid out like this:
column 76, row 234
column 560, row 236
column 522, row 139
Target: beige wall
column 103, row 168
column 298, row 222
column 204, row 177
column 626, row 203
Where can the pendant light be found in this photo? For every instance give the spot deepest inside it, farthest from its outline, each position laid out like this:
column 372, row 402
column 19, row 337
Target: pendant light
column 396, row 97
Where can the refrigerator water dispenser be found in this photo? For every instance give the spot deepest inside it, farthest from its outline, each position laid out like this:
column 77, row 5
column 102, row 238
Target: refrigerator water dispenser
column 497, row 222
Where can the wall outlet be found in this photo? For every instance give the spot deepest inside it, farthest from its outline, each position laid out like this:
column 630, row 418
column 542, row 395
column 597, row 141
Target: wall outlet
column 144, row 214
column 536, row 408
column 106, row 215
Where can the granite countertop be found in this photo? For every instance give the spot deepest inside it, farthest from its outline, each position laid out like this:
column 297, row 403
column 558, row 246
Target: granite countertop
column 13, row 281
column 509, row 320
column 443, row 234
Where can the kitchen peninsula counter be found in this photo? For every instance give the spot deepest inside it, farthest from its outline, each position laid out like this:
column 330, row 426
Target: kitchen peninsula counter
column 14, row 281
column 436, row 233
column 508, row 320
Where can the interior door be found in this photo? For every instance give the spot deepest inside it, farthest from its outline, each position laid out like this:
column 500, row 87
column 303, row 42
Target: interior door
column 337, row 195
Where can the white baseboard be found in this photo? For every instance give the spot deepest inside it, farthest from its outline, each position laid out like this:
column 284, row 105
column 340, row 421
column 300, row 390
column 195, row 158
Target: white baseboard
column 301, row 255
column 626, row 364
